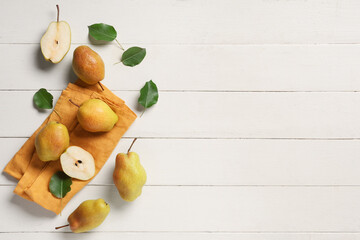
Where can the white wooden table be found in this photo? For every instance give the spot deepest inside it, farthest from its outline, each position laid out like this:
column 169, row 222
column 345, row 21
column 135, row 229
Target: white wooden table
column 256, row 134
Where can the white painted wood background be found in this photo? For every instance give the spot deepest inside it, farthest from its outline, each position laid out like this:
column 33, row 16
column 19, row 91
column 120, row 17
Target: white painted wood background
column 256, row 134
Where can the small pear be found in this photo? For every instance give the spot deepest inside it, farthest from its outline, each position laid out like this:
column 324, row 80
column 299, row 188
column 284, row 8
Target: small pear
column 56, row 41
column 78, row 163
column 52, row 141
column 88, row 65
column 89, row 215
column 129, row 175
column 94, row 115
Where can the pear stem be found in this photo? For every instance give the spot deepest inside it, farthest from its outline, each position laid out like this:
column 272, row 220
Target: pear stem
column 131, row 145
column 101, row 86
column 58, row 12
column 73, row 103
column 62, row 226
column 119, row 45
column 58, row 114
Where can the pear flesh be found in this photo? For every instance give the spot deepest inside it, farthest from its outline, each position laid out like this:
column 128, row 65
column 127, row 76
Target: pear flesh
column 88, row 65
column 94, row 115
column 78, row 163
column 56, row 41
column 52, row 141
column 129, row 175
column 89, row 215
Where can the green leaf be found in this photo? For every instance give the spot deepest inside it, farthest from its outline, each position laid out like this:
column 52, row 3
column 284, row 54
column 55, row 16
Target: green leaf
column 43, row 99
column 148, row 94
column 102, row 31
column 59, row 184
column 133, row 56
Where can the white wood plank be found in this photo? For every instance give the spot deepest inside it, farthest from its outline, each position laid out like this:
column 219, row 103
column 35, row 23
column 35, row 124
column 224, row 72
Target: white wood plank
column 239, row 162
column 215, row 115
column 199, row 21
column 132, row 236
column 239, row 209
column 336, row 236
column 231, row 161
column 198, row 67
column 181, row 236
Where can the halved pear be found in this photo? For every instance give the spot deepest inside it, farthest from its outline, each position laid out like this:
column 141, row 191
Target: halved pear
column 78, row 163
column 56, row 41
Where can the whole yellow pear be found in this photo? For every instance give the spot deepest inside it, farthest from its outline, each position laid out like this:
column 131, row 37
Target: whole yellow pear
column 89, row 215
column 94, row 115
column 52, row 141
column 88, row 65
column 129, row 175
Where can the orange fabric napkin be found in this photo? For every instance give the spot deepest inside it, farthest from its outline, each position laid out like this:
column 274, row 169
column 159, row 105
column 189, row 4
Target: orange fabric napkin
column 34, row 175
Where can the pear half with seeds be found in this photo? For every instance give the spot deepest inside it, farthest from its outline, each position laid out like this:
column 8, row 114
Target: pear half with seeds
column 56, row 41
column 78, row 163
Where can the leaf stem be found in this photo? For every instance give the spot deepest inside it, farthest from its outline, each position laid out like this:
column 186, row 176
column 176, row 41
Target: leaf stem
column 117, row 63
column 142, row 112
column 73, row 103
column 101, row 86
column 62, row 226
column 61, row 193
column 58, row 114
column 60, row 206
column 119, row 45
column 131, row 145
column 58, row 12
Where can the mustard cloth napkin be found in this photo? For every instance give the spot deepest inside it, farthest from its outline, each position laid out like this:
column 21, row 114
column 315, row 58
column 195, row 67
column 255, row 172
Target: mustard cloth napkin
column 34, row 175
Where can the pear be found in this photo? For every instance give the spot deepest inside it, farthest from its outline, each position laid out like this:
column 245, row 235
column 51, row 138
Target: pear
column 88, row 65
column 89, row 215
column 77, row 163
column 52, row 141
column 56, row 41
column 94, row 115
column 129, row 175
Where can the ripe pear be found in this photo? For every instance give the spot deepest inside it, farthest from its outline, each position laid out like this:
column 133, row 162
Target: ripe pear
column 56, row 41
column 78, row 163
column 52, row 141
column 129, row 175
column 88, row 65
column 89, row 215
column 94, row 115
